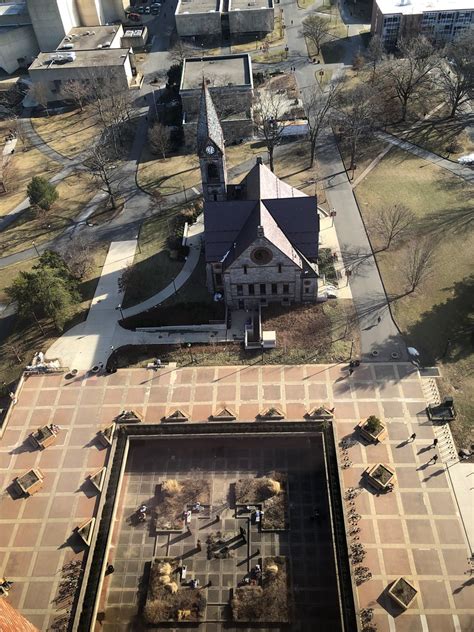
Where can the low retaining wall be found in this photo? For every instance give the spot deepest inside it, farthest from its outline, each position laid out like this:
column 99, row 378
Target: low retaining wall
column 214, row 326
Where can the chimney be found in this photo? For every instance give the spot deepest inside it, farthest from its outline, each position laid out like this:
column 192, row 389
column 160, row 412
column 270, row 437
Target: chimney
column 259, row 160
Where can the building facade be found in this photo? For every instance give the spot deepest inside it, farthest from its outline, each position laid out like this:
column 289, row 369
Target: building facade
column 261, row 235
column 439, row 20
column 213, row 19
column 230, row 82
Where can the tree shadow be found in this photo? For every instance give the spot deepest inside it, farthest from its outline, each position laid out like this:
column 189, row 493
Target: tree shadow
column 446, row 330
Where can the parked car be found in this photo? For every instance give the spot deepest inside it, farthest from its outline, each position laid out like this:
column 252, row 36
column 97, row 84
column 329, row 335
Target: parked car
column 147, row 10
column 141, row 10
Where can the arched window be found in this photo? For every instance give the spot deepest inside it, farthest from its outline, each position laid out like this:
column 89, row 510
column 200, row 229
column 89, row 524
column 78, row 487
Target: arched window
column 212, row 172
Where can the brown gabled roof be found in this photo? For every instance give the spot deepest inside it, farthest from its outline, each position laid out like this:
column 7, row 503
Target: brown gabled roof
column 208, row 126
column 262, row 184
column 260, row 223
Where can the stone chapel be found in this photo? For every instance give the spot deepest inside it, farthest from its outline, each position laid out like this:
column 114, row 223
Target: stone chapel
column 261, row 235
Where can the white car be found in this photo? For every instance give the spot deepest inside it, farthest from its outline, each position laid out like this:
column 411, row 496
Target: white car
column 466, row 160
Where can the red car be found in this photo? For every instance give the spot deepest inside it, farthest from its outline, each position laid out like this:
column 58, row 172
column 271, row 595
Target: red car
column 134, row 17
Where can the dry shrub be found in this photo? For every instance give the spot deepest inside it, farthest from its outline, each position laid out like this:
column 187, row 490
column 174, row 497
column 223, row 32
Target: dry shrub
column 270, row 487
column 172, row 587
column 156, row 610
column 272, row 569
column 164, row 579
column 164, row 568
column 171, row 487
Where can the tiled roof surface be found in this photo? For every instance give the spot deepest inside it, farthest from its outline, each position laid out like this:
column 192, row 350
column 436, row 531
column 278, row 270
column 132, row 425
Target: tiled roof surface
column 208, row 127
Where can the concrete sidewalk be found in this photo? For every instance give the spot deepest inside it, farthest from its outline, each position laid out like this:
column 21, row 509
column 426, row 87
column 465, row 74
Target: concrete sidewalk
column 89, row 343
column 466, row 173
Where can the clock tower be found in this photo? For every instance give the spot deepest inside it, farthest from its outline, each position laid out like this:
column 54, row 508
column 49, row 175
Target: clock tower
column 211, row 150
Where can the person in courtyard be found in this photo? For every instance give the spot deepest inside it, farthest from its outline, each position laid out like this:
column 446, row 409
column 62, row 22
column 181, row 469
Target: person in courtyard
column 435, row 443
column 413, row 436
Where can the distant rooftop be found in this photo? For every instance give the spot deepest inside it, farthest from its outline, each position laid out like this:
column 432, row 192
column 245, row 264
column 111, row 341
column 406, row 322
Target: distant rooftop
column 248, row 5
column 11, row 8
column 89, row 37
column 415, row 7
column 84, row 59
column 198, row 6
column 218, row 71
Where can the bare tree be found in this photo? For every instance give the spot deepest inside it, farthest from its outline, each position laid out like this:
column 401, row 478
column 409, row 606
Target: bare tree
column 374, row 54
column 316, row 30
column 356, row 116
column 269, row 108
column 409, row 75
column 77, row 92
column 393, row 223
column 457, row 71
column 100, row 162
column 39, row 93
column 179, row 51
column 78, row 258
column 15, row 349
column 419, row 263
column 317, row 105
column 159, row 139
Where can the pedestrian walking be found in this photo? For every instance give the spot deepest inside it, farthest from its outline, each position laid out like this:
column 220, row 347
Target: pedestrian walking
column 351, row 371
column 110, row 569
column 433, row 459
column 413, row 436
column 435, row 443
column 379, row 319
column 198, row 545
column 291, row 22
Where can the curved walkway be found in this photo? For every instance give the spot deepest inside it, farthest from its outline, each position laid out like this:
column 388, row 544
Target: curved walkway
column 464, row 172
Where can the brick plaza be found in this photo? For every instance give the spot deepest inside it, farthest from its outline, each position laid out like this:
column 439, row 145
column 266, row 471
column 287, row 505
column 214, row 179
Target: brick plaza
column 416, row 531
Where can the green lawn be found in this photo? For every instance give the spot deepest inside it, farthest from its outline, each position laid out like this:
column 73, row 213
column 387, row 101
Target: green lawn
column 439, row 310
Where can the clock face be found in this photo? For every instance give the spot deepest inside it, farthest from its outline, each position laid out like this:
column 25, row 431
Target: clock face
column 210, row 150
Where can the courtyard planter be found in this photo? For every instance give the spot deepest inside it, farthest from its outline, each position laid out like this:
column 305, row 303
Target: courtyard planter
column 372, row 429
column 176, row 416
column 30, row 482
column 321, row 412
column 223, row 415
column 380, row 476
column 402, row 592
column 43, row 437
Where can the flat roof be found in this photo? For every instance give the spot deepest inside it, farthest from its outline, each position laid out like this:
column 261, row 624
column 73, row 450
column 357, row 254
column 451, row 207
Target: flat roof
column 84, row 59
column 219, row 71
column 88, row 38
column 249, row 5
column 134, row 31
column 198, row 6
column 415, row 7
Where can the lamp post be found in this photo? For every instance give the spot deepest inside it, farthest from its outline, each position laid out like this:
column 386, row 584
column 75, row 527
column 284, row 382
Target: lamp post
column 137, row 237
column 119, row 306
column 190, row 352
column 34, row 246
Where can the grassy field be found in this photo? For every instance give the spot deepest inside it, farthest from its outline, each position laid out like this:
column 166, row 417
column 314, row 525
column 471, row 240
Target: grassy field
column 26, row 337
column 75, row 192
column 182, row 171
column 69, row 133
column 154, row 267
column 25, row 163
column 437, row 312
column 446, row 137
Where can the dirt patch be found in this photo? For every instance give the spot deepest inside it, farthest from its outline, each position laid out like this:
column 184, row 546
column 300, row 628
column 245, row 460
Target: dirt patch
column 269, row 491
column 173, row 497
column 265, row 602
column 167, row 600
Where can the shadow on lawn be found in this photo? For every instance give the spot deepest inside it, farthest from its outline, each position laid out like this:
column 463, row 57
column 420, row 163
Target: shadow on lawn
column 445, row 331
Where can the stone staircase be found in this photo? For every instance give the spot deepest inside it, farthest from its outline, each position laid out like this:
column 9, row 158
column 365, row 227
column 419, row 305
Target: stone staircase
column 446, row 446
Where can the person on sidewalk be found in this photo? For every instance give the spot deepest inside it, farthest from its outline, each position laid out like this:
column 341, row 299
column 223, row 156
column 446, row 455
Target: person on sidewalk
column 433, row 459
column 412, row 437
column 435, row 443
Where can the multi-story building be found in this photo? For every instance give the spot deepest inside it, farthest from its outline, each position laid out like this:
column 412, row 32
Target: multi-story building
column 261, row 235
column 439, row 20
column 229, row 80
column 213, row 18
column 85, row 54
